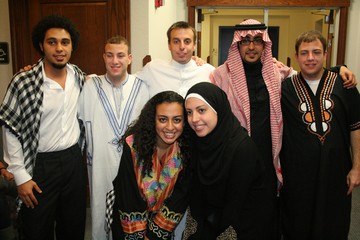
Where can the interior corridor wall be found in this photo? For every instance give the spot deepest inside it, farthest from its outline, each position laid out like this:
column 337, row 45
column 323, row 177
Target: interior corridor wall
column 352, row 53
column 149, row 26
column 6, row 72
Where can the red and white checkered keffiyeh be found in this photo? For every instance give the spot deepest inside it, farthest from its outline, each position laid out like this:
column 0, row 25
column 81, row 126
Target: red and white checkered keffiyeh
column 231, row 78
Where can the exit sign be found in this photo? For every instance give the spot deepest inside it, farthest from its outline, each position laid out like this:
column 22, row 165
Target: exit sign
column 4, row 53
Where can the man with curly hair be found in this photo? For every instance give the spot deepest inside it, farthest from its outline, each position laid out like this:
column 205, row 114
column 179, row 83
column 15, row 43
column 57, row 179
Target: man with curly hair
column 41, row 134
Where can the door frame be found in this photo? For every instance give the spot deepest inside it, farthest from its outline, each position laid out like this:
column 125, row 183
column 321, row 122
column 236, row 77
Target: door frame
column 343, row 6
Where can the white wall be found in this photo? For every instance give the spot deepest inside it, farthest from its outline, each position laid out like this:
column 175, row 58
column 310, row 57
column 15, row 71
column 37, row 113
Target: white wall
column 149, row 26
column 139, row 30
column 5, row 69
column 352, row 53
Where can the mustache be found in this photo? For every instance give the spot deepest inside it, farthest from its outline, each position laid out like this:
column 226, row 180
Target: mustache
column 251, row 51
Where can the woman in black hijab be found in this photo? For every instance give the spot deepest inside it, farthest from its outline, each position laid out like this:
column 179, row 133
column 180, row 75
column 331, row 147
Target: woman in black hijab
column 226, row 200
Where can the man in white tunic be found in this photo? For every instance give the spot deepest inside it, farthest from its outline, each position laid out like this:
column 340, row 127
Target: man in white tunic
column 178, row 74
column 181, row 72
column 108, row 104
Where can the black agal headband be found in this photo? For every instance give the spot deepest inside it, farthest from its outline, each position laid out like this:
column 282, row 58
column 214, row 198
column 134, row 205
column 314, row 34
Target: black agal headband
column 250, row 26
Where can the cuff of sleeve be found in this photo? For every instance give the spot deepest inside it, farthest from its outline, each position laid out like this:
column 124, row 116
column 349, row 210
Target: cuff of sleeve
column 21, row 176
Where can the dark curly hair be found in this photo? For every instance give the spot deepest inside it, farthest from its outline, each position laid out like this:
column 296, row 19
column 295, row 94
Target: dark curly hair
column 144, row 131
column 54, row 21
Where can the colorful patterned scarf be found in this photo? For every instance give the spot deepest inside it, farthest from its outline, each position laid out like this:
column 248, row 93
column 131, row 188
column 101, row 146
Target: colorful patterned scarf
column 159, row 184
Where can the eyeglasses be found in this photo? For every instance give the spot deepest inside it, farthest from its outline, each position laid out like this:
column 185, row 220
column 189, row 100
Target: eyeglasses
column 256, row 41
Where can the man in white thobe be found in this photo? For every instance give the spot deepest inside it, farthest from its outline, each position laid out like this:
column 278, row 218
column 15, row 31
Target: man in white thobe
column 107, row 105
column 178, row 74
column 181, row 72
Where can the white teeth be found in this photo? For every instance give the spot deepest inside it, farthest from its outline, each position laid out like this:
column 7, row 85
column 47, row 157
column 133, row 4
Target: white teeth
column 198, row 127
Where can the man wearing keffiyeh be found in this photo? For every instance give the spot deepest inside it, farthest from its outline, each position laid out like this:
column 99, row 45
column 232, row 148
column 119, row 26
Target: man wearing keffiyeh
column 41, row 134
column 252, row 83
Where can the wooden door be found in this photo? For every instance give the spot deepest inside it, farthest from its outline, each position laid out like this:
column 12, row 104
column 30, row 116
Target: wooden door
column 96, row 20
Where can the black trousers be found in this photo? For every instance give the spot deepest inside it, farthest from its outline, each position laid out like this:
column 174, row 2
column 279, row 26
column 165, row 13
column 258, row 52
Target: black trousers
column 62, row 204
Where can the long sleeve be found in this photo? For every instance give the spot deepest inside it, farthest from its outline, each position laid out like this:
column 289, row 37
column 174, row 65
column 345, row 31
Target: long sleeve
column 129, row 207
column 14, row 157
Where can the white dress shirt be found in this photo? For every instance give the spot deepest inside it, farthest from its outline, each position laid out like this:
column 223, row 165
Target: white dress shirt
column 59, row 128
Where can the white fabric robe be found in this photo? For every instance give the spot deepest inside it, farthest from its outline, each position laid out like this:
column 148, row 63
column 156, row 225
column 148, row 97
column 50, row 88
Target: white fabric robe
column 103, row 130
column 161, row 75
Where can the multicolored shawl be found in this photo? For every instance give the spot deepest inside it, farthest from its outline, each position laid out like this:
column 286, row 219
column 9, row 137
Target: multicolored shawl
column 160, row 184
column 155, row 188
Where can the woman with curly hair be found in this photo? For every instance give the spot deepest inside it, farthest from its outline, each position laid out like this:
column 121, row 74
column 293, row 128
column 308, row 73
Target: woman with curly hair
column 151, row 187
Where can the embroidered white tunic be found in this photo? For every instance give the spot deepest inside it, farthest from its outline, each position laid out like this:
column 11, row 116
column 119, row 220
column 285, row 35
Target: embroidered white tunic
column 106, row 112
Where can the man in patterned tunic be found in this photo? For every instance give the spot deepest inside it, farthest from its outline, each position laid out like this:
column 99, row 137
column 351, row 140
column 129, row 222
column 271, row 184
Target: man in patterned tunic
column 107, row 105
column 321, row 124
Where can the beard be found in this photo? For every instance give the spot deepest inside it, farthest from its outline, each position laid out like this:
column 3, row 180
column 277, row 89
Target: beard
column 58, row 66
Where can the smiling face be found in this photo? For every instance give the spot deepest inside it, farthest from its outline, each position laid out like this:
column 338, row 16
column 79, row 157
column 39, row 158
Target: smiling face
column 181, row 44
column 251, row 53
column 169, row 123
column 117, row 60
column 57, row 48
column 202, row 119
column 311, row 57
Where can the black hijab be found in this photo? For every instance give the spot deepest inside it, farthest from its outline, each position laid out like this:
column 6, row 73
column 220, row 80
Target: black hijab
column 214, row 153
